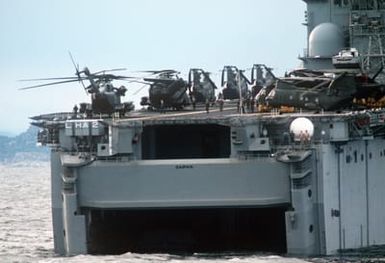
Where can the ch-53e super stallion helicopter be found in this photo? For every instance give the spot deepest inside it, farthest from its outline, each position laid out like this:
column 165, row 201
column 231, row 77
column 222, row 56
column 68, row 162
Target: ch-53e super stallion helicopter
column 167, row 90
column 105, row 98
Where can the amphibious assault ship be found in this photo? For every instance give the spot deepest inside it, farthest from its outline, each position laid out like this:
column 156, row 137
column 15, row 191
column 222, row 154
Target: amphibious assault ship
column 190, row 176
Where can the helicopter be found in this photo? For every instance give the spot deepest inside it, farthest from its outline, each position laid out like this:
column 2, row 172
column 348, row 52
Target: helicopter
column 232, row 78
column 105, row 98
column 167, row 90
column 263, row 80
column 333, row 89
column 201, row 87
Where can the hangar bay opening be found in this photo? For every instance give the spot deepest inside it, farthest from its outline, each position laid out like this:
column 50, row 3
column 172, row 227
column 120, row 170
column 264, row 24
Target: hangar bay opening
column 187, row 230
column 185, row 141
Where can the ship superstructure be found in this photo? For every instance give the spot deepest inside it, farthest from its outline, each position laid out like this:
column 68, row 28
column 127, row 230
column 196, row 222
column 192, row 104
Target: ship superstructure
column 335, row 25
column 224, row 177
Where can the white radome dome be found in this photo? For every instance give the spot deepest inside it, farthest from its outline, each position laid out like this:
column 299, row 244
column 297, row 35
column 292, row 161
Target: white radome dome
column 302, row 128
column 325, row 40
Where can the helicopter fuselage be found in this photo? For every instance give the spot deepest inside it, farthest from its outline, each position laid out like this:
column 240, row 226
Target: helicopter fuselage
column 168, row 93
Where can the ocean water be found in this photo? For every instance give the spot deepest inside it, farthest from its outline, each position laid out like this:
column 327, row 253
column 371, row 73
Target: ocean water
column 26, row 230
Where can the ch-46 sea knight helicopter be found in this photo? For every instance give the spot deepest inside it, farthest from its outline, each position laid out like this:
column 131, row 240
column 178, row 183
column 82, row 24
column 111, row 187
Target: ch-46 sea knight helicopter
column 167, row 90
column 263, row 80
column 201, row 87
column 105, row 98
column 232, row 81
column 332, row 89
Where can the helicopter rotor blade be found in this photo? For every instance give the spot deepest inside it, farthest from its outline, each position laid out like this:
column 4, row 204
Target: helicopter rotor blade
column 73, row 62
column 137, row 91
column 170, row 71
column 77, row 71
column 114, row 77
column 59, row 78
column 49, row 84
column 109, row 70
column 108, row 76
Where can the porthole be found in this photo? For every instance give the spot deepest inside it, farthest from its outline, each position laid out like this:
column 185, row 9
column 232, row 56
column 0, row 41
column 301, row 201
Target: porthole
column 311, row 228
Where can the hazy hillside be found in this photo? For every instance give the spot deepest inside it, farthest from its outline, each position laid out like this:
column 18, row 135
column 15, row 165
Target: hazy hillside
column 8, row 134
column 22, row 148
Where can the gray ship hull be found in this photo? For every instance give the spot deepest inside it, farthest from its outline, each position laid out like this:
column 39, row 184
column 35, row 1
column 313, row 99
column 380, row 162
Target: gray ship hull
column 270, row 194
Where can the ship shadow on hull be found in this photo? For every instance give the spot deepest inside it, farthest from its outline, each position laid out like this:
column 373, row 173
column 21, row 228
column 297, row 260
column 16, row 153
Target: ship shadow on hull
column 186, row 231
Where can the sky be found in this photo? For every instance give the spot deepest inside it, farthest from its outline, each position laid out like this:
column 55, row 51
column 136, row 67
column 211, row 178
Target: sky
column 36, row 36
